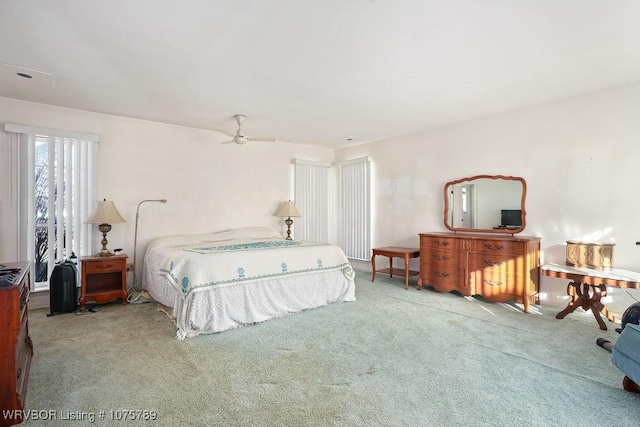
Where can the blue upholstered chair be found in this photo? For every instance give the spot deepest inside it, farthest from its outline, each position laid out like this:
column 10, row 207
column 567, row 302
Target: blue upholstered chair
column 626, row 356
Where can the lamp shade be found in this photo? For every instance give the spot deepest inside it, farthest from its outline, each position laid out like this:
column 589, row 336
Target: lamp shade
column 105, row 213
column 288, row 209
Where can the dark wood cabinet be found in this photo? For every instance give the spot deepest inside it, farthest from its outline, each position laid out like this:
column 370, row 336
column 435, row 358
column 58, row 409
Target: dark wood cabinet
column 103, row 279
column 499, row 268
column 16, row 348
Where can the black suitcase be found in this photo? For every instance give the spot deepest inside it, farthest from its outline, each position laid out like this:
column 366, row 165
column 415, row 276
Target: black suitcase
column 63, row 294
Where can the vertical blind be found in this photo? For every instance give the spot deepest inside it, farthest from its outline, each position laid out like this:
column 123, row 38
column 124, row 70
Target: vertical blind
column 71, row 196
column 57, row 187
column 312, row 189
column 355, row 215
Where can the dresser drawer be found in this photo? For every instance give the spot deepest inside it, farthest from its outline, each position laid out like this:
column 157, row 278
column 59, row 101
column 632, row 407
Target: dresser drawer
column 499, row 263
column 106, row 266
column 439, row 242
column 439, row 257
column 494, row 283
column 441, row 272
column 24, row 293
column 22, row 372
column 498, row 247
column 22, row 344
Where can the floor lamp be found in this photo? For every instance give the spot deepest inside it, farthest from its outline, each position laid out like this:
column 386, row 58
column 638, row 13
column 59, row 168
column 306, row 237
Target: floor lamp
column 135, row 238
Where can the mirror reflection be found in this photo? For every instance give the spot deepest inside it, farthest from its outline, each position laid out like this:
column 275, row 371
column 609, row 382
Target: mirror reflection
column 485, row 203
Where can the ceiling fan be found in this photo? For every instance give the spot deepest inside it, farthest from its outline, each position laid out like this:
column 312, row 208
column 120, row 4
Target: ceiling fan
column 239, row 137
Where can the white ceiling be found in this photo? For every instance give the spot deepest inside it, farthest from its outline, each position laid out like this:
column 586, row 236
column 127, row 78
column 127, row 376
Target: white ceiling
column 314, row 71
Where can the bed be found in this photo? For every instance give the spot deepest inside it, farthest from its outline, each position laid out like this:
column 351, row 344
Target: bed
column 213, row 282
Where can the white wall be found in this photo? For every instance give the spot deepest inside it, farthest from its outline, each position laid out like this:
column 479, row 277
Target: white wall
column 580, row 157
column 209, row 186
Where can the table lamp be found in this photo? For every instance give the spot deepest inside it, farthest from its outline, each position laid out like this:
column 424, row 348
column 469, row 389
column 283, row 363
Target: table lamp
column 104, row 215
column 288, row 209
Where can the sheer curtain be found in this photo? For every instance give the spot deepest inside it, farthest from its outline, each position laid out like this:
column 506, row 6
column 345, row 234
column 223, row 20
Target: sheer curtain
column 57, row 190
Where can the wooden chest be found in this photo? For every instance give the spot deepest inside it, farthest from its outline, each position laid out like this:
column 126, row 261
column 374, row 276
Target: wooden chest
column 499, row 268
column 16, row 349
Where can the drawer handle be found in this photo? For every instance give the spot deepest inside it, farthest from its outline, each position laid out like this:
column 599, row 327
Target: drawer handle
column 493, row 282
column 439, row 274
column 104, row 266
column 494, row 263
column 441, row 257
column 494, row 247
column 441, row 243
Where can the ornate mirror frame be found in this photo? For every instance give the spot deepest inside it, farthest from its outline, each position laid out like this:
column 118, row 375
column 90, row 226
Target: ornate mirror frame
column 511, row 231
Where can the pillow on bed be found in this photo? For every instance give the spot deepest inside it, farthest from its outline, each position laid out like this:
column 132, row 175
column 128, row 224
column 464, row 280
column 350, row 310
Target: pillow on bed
column 243, row 233
column 173, row 241
column 194, row 239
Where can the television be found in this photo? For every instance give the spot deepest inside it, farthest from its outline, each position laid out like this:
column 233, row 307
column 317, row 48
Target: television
column 511, row 218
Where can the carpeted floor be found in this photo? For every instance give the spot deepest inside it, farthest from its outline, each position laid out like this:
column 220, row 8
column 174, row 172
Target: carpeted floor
column 394, row 357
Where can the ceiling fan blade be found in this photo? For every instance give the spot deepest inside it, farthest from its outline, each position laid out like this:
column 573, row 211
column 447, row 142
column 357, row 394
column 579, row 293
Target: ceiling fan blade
column 229, row 141
column 261, row 139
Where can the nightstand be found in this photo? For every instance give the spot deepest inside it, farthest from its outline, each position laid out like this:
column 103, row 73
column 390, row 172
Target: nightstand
column 103, row 279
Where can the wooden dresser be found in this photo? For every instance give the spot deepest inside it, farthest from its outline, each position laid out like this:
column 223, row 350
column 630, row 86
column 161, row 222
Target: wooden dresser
column 16, row 349
column 497, row 267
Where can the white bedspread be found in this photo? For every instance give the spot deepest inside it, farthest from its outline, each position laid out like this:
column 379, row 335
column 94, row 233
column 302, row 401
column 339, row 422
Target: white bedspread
column 219, row 281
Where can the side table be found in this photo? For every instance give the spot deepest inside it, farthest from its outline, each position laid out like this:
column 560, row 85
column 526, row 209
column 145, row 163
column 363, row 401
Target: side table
column 395, row 252
column 103, row 279
column 588, row 286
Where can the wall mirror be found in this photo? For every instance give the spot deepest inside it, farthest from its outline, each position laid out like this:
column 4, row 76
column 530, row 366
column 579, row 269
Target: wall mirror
column 485, row 203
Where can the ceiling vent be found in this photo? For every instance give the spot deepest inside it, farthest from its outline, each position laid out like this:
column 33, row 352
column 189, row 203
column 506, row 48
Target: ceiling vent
column 20, row 75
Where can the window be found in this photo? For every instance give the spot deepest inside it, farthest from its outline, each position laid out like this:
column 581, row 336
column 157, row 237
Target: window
column 355, row 208
column 312, row 188
column 57, row 192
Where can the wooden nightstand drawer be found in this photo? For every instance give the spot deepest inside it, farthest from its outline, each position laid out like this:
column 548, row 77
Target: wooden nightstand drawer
column 105, row 266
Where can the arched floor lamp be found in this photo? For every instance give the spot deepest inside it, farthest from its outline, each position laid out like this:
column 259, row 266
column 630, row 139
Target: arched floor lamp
column 135, row 239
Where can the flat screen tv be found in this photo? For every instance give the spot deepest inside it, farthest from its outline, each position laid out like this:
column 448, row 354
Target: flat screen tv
column 511, row 218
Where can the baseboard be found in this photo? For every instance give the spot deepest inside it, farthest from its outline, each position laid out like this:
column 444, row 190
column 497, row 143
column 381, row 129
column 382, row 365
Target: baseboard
column 39, row 299
column 360, row 265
